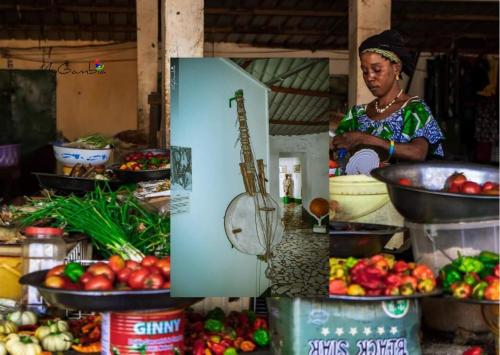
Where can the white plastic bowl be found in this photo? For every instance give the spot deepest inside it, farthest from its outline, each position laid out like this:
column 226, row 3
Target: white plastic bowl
column 72, row 156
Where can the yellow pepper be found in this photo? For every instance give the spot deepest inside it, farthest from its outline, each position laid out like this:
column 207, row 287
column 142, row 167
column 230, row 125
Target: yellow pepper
column 337, row 272
column 355, row 290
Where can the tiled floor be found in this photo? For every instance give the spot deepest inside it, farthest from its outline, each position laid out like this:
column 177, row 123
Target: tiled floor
column 301, row 259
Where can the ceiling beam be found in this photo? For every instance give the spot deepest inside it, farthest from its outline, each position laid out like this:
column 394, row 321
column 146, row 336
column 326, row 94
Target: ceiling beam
column 87, row 28
column 246, row 63
column 67, row 8
column 273, row 12
column 258, row 30
column 294, row 71
column 315, row 93
column 298, row 123
column 439, row 17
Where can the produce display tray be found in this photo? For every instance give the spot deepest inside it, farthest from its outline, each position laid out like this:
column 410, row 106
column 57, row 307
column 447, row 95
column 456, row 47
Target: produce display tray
column 359, row 240
column 425, row 202
column 104, row 301
column 383, row 298
column 73, row 184
column 129, row 176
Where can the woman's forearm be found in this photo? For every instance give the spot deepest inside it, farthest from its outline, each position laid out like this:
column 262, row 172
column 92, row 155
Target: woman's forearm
column 416, row 150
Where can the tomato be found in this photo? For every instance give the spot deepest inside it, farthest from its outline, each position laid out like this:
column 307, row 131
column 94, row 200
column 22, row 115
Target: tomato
column 164, row 265
column 405, row 182
column 132, row 265
column 56, row 271
column 102, row 269
column 492, row 192
column 116, row 263
column 154, row 270
column 149, row 260
column 55, row 281
column 123, row 275
column 85, row 277
column 136, row 278
column 456, row 179
column 99, row 283
column 454, row 189
column 153, row 281
column 470, row 188
column 488, row 185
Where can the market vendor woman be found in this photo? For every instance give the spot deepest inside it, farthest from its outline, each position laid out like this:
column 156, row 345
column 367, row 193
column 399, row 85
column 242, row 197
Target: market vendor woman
column 401, row 125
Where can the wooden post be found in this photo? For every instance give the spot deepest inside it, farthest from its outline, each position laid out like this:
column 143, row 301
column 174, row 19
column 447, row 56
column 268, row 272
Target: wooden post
column 147, row 59
column 182, row 36
column 366, row 18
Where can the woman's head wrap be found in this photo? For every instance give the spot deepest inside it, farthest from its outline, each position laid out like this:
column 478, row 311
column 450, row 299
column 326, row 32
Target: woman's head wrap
column 390, row 45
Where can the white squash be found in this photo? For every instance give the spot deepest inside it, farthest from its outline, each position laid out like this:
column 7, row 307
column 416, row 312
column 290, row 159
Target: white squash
column 3, row 349
column 23, row 317
column 22, row 345
column 56, row 326
column 7, row 327
column 57, row 342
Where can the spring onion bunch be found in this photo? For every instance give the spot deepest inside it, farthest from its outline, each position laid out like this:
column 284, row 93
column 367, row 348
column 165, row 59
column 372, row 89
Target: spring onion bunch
column 116, row 223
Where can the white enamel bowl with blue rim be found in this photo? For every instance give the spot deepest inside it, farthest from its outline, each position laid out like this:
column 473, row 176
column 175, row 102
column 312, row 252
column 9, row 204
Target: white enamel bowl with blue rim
column 72, row 156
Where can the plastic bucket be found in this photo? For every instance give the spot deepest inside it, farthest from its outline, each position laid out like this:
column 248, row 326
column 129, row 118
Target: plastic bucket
column 361, row 198
column 148, row 332
column 320, row 327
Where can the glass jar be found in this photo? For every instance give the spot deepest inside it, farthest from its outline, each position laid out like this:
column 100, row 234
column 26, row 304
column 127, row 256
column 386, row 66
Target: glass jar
column 43, row 248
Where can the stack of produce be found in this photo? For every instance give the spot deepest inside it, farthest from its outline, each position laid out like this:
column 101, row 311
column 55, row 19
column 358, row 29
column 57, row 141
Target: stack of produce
column 137, row 161
column 476, row 277
column 116, row 274
column 21, row 333
column 115, row 222
column 218, row 334
column 459, row 184
column 380, row 275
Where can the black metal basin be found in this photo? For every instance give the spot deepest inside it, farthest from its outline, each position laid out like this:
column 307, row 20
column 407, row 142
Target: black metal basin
column 425, row 202
column 359, row 240
column 99, row 301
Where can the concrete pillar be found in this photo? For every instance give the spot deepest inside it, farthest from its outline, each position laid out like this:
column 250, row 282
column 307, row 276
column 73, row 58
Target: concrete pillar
column 183, row 36
column 366, row 18
column 147, row 58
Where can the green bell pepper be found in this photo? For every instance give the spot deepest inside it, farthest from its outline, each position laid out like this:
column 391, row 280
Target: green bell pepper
column 487, row 270
column 488, row 257
column 74, row 271
column 478, row 290
column 350, row 262
column 261, row 337
column 230, row 351
column 471, row 278
column 214, row 326
column 470, row 264
column 216, row 313
column 449, row 275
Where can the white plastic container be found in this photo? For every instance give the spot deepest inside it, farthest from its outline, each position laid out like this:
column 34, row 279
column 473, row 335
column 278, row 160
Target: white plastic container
column 438, row 244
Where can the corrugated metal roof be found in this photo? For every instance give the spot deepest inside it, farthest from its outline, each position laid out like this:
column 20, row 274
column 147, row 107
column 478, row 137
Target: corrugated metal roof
column 299, row 98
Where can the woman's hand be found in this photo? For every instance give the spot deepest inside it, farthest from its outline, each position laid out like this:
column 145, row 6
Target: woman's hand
column 350, row 140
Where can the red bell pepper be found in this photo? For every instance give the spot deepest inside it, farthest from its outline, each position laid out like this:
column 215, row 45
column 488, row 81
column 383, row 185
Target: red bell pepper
column 199, row 347
column 260, row 323
column 394, row 280
column 422, row 272
column 392, row 291
column 400, row 266
column 337, row 287
column 461, row 290
column 218, row 349
column 412, row 281
column 475, row 350
column 492, row 291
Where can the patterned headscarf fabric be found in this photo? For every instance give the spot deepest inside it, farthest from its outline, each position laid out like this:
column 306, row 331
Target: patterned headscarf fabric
column 391, row 45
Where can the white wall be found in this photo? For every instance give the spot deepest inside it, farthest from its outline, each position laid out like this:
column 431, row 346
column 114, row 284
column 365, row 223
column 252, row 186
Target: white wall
column 203, row 262
column 312, row 150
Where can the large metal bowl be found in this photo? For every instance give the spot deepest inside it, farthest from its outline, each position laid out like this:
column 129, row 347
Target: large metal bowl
column 359, row 240
column 426, row 202
column 99, row 301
